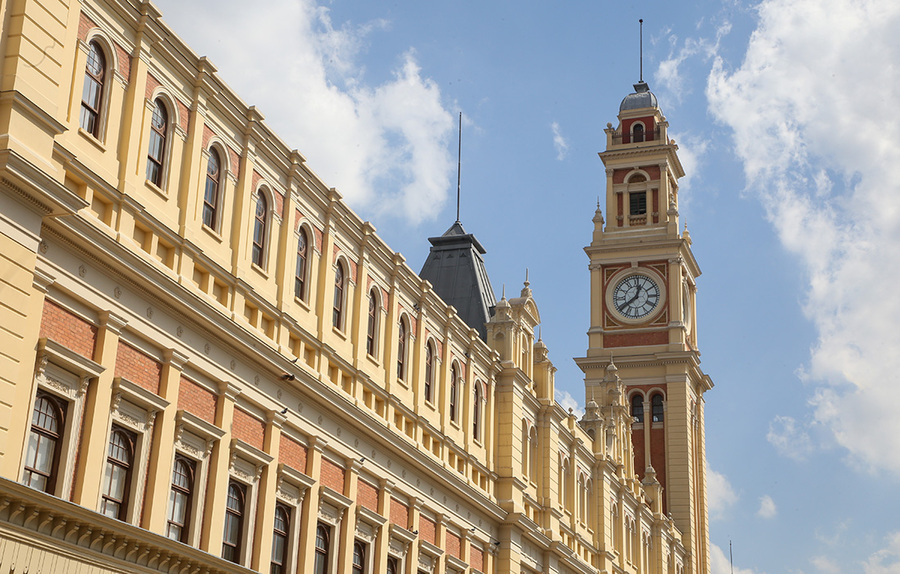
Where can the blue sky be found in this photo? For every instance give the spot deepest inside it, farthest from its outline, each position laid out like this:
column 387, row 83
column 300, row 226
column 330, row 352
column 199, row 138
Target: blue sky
column 785, row 115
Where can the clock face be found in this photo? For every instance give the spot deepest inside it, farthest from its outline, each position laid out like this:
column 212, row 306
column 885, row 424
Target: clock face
column 636, row 296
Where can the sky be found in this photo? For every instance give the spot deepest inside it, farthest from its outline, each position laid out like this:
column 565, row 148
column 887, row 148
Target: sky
column 785, row 115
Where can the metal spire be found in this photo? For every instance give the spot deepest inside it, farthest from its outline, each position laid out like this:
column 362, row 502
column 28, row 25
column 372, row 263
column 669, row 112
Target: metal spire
column 458, row 166
column 641, row 21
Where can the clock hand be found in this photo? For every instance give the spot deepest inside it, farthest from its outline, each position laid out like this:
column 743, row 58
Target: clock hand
column 630, row 301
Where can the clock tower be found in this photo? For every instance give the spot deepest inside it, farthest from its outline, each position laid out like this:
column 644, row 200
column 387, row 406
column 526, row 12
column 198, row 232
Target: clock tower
column 643, row 315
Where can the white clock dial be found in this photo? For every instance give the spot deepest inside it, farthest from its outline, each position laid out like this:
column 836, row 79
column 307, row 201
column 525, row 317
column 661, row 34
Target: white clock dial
column 636, row 296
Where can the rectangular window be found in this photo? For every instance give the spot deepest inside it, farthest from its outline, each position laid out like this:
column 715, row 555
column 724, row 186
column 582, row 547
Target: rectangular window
column 637, row 203
column 44, row 442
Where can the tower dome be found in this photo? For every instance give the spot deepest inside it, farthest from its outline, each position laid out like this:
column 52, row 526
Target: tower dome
column 641, row 98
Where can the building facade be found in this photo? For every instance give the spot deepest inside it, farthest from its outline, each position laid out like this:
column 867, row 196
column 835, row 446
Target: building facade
column 211, row 364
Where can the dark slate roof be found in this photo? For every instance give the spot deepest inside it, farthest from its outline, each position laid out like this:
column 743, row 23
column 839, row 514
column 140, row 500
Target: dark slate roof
column 641, row 98
column 456, row 271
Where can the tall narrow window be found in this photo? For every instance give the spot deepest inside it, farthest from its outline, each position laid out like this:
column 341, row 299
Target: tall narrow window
column 637, row 408
column 637, row 133
column 392, row 566
column 234, row 522
column 476, row 412
column 338, row 315
column 259, row 228
column 533, row 458
column 279, row 539
column 454, row 388
column 359, row 557
column 429, row 370
column 371, row 327
column 156, row 152
column 322, row 549
column 211, row 193
column 300, row 270
column 180, row 499
column 656, row 408
column 117, row 478
column 92, row 93
column 42, row 458
column 402, row 339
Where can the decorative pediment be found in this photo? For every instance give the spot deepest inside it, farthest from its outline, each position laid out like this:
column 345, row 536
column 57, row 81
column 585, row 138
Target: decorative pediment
column 429, row 555
column 64, row 370
column 134, row 405
column 247, row 461
column 332, row 505
column 400, row 540
column 368, row 523
column 292, row 484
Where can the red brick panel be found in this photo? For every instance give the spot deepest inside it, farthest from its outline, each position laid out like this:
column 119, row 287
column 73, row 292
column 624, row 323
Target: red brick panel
column 152, row 84
column 248, row 429
column 399, row 514
column 320, row 237
column 476, row 559
column 279, row 204
column 255, row 180
column 427, row 529
column 235, row 162
column 620, row 210
column 196, row 400
column 138, row 368
column 454, row 547
column 332, row 476
column 636, row 339
column 292, row 453
column 85, row 25
column 637, row 445
column 367, row 495
column 658, row 458
column 184, row 116
column 124, row 62
column 207, row 135
column 68, row 330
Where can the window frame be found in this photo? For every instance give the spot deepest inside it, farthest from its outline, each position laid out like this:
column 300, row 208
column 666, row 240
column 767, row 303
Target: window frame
column 322, row 552
column 188, row 493
column 51, row 476
column 428, row 381
column 260, row 236
column 639, row 416
column 284, row 533
column 163, row 135
column 301, row 265
column 657, row 417
column 234, row 515
column 372, row 323
column 102, row 79
column 638, row 132
column 478, row 396
column 113, row 464
column 403, row 340
column 340, row 293
column 453, row 406
column 212, row 208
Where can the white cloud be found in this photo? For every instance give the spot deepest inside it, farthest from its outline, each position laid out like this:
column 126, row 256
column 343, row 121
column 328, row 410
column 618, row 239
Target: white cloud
column 559, row 142
column 385, row 146
column 567, row 401
column 767, row 507
column 789, row 438
column 812, row 123
column 721, row 564
column 825, row 564
column 721, row 495
column 886, row 560
column 668, row 73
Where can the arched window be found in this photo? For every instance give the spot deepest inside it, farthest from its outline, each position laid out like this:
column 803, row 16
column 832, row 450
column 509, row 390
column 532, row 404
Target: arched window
column 526, row 450
column 234, row 523
column 42, row 458
column 117, row 477
column 637, row 407
column 429, row 371
column 533, row 455
column 566, row 479
column 656, row 408
column 260, row 222
column 372, row 326
column 392, row 567
column 279, row 539
column 156, row 153
column 211, row 193
column 322, row 549
column 92, row 93
column 637, row 133
column 454, row 390
column 300, row 269
column 338, row 315
column 582, row 497
column 588, row 493
column 402, row 344
column 476, row 412
column 180, row 497
column 359, row 557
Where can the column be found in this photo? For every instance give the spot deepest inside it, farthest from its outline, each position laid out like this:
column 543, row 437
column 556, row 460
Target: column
column 268, row 486
column 307, row 542
column 217, row 482
column 162, row 452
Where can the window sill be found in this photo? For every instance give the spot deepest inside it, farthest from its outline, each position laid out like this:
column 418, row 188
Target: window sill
column 303, row 304
column 373, row 360
column 259, row 270
column 91, row 138
column 337, row 331
column 159, row 191
column 212, row 232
